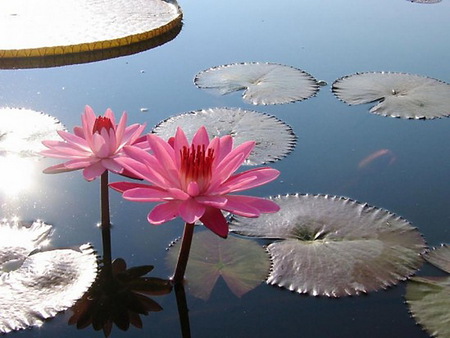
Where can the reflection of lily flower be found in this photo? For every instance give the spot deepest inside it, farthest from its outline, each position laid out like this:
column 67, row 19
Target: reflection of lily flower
column 194, row 180
column 119, row 298
column 95, row 146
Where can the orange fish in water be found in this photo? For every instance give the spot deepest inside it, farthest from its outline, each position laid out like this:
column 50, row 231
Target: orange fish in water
column 382, row 155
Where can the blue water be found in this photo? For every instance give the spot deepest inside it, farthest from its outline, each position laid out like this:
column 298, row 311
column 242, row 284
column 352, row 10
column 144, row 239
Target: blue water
column 328, row 39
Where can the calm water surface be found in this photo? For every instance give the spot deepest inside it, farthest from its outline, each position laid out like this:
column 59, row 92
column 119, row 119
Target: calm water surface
column 328, row 39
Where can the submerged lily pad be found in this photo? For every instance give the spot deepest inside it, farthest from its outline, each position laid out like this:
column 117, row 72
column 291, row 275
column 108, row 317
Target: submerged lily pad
column 335, row 246
column 53, row 27
column 36, row 285
column 23, row 130
column 264, row 83
column 429, row 297
column 399, row 95
column 274, row 138
column 242, row 263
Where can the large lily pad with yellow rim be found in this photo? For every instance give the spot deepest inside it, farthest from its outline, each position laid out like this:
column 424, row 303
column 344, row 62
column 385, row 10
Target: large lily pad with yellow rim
column 57, row 27
column 335, row 246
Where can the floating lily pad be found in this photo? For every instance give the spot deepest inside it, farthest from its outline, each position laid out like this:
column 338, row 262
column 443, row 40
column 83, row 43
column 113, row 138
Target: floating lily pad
column 45, row 284
column 22, row 131
column 425, row 1
column 53, row 27
column 264, row 83
column 17, row 241
column 242, row 263
column 335, row 246
column 398, row 94
column 429, row 297
column 274, row 139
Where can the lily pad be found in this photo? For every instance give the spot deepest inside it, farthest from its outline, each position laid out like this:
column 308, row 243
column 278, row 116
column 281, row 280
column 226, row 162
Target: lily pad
column 425, row 1
column 263, row 83
column 242, row 263
column 398, row 95
column 23, row 130
column 335, row 246
column 53, row 27
column 17, row 241
column 274, row 138
column 45, row 284
column 429, row 297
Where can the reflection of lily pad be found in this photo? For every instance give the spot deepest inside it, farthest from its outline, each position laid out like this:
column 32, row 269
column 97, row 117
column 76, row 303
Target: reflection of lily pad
column 46, row 283
column 264, row 83
column 17, row 241
column 335, row 246
column 23, row 130
column 242, row 263
column 53, row 27
column 429, row 297
column 274, row 139
column 399, row 95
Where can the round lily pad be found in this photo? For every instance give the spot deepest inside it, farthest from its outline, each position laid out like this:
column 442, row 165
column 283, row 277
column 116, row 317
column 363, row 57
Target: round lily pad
column 45, row 284
column 274, row 138
column 53, row 27
column 398, row 94
column 263, row 83
column 429, row 297
column 23, row 130
column 334, row 246
column 242, row 263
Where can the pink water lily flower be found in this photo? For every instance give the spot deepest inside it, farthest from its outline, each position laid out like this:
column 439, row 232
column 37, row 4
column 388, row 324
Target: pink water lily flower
column 95, row 146
column 194, row 181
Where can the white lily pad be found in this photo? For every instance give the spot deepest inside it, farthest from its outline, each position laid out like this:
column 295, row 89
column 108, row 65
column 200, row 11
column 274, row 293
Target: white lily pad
column 398, row 95
column 335, row 246
column 274, row 138
column 54, row 27
column 429, row 297
column 264, row 83
column 17, row 241
column 23, row 130
column 46, row 283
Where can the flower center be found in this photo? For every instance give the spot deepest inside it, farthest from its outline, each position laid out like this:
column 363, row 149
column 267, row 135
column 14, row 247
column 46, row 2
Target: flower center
column 102, row 122
column 196, row 166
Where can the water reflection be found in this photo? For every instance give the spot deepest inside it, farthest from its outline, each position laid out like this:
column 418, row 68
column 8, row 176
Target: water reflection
column 17, row 174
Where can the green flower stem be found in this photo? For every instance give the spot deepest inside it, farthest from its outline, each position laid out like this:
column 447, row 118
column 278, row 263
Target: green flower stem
column 183, row 257
column 105, row 223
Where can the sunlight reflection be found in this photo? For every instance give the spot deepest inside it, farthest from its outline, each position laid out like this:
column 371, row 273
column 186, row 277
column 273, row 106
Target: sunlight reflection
column 16, row 174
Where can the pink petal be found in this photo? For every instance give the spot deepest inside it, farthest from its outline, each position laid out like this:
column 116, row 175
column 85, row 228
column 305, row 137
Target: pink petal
column 193, row 189
column 164, row 154
column 247, row 180
column 191, row 211
column 112, row 165
column 163, row 212
column 93, row 171
column 179, row 142
column 234, row 160
column 124, row 186
column 110, row 114
column 79, row 163
column 87, row 121
column 226, row 145
column 57, row 169
column 212, row 201
column 201, row 137
column 214, row 220
column 74, row 140
column 249, row 206
column 147, row 194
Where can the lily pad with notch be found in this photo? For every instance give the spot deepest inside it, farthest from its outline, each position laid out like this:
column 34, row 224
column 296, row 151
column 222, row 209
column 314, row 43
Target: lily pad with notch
column 334, row 246
column 35, row 285
column 398, row 94
column 428, row 298
column 263, row 83
column 274, row 138
column 242, row 263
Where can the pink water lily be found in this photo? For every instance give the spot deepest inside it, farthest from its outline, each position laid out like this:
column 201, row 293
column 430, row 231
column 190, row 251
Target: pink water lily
column 95, row 146
column 194, row 181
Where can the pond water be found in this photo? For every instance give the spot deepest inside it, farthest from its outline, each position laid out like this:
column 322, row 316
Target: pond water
column 328, row 39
